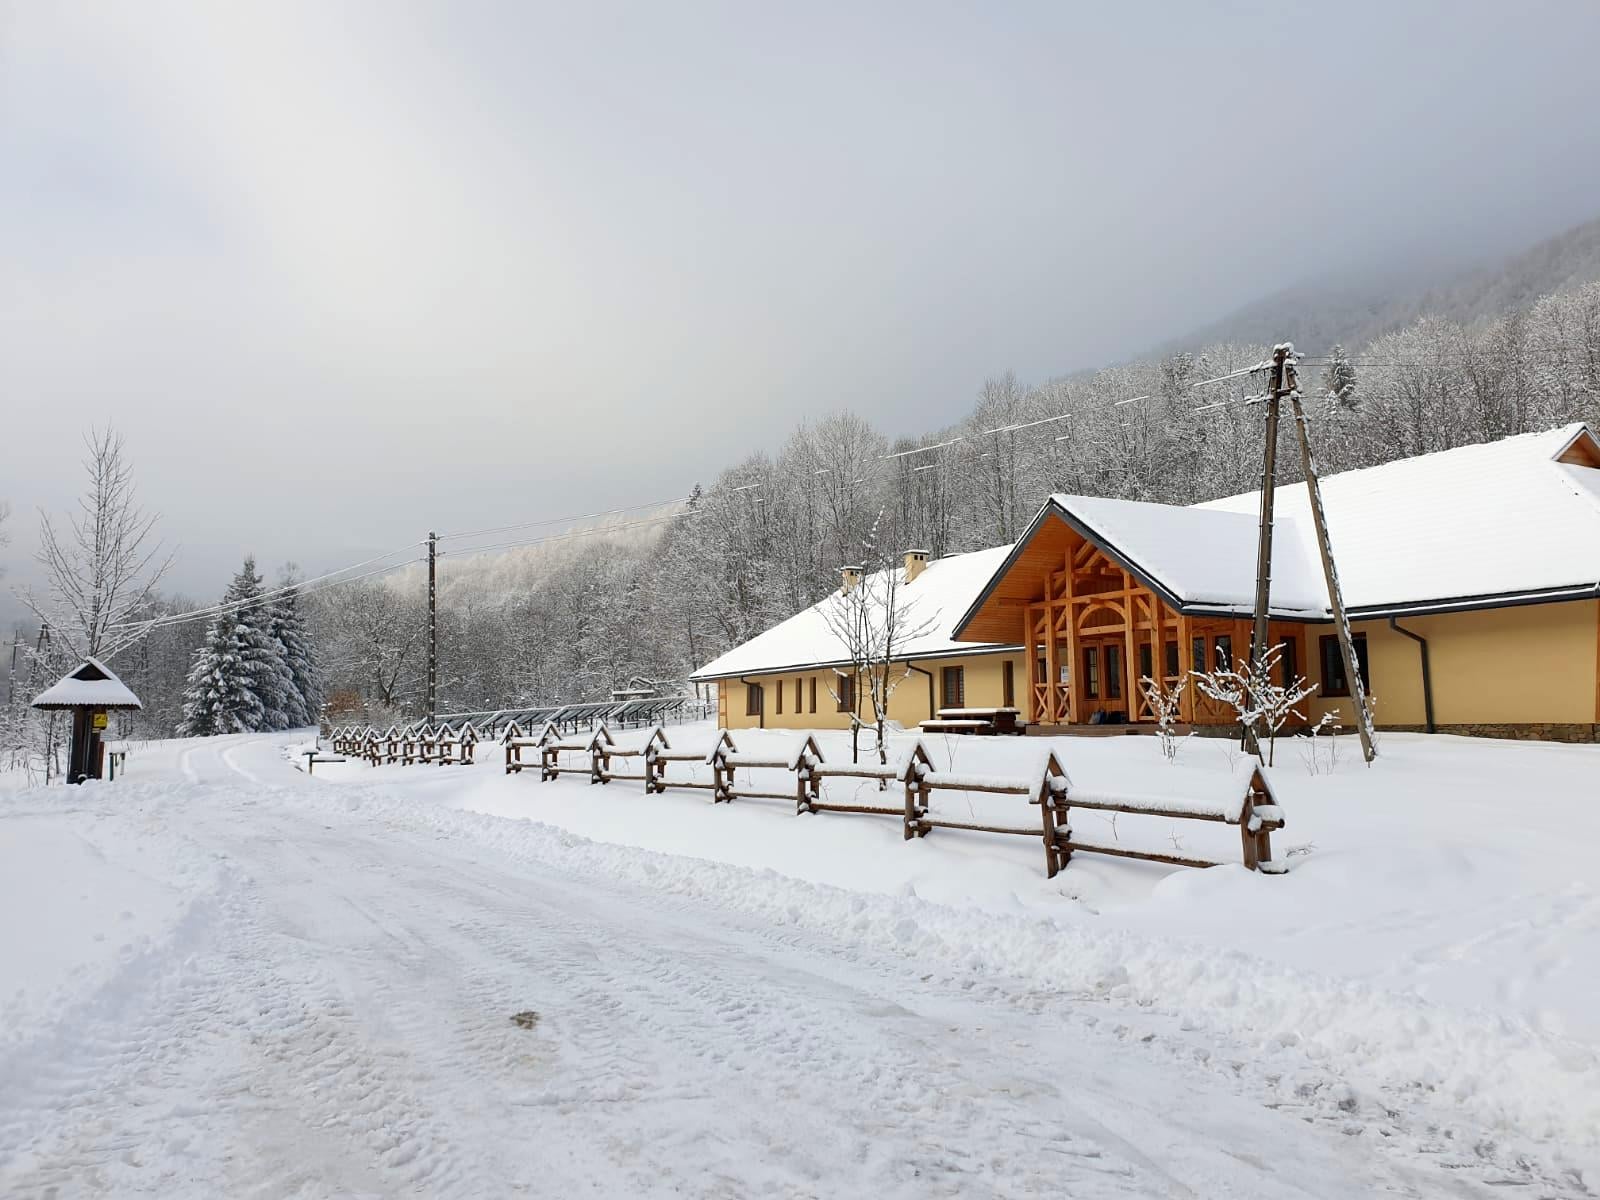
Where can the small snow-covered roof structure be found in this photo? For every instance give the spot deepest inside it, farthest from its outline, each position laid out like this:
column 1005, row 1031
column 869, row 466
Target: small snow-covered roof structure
column 930, row 605
column 91, row 684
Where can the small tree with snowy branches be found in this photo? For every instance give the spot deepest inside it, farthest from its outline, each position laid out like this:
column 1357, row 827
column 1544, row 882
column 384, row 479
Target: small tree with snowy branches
column 1263, row 706
column 1166, row 703
column 873, row 621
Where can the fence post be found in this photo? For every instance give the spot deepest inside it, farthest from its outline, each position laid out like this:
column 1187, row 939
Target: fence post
column 1053, row 790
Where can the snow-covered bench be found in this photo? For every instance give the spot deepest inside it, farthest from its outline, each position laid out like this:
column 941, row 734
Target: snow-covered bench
column 973, row 720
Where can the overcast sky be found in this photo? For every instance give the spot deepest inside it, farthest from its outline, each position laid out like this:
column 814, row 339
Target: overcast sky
column 343, row 271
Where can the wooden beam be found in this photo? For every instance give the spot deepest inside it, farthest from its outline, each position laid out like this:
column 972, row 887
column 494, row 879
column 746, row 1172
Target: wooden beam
column 1185, row 666
column 1074, row 713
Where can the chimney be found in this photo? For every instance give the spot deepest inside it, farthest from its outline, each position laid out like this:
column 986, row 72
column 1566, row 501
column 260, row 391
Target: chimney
column 916, row 563
column 848, row 578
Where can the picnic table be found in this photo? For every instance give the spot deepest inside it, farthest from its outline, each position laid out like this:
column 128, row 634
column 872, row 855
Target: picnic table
column 981, row 721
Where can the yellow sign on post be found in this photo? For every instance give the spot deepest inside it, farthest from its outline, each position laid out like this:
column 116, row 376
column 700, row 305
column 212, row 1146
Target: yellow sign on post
column 99, row 721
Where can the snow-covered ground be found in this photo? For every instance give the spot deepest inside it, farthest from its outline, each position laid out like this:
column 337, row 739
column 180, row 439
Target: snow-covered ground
column 221, row 977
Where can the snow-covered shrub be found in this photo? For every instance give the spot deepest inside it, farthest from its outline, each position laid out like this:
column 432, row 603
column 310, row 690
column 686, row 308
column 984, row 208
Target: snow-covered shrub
column 1263, row 706
column 1166, row 703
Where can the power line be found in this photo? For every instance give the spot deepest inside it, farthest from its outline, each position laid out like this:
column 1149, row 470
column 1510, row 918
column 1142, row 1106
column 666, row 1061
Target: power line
column 323, row 583
column 303, row 585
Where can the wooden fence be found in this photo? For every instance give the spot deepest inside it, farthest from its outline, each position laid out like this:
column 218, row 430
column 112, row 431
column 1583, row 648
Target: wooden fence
column 597, row 756
column 440, row 744
column 1046, row 785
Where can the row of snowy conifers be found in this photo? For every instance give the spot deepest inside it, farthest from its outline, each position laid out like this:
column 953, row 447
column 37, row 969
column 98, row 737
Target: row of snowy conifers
column 255, row 671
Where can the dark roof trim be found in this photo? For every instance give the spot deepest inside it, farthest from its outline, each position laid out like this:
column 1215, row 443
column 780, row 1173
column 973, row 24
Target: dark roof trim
column 1423, row 608
column 964, row 652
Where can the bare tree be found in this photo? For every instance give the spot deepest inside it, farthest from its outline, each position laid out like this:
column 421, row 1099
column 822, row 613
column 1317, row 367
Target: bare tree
column 102, row 570
column 873, row 621
column 1263, row 706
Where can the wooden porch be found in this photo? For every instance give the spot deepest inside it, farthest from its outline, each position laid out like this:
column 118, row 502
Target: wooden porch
column 1091, row 630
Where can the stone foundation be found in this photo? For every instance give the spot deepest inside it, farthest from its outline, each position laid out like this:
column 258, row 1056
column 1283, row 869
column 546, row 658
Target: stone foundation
column 1538, row 731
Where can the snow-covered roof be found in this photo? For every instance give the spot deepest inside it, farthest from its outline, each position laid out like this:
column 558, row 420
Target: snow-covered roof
column 1497, row 523
column 1202, row 559
column 930, row 604
column 91, row 684
column 1477, row 525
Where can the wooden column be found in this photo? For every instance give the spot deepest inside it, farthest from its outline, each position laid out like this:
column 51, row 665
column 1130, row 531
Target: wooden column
column 1130, row 649
column 1031, row 663
column 1052, row 715
column 1074, row 665
column 1185, row 666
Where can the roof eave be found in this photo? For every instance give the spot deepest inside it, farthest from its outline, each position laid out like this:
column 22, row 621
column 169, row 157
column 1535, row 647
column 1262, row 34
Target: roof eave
column 961, row 652
column 1452, row 604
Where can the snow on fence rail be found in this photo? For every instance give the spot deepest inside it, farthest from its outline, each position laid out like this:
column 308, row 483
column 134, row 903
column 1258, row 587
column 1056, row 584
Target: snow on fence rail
column 1044, row 784
column 442, row 744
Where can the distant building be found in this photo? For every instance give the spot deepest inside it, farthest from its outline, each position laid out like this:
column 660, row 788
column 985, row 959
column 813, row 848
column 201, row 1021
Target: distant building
column 1482, row 561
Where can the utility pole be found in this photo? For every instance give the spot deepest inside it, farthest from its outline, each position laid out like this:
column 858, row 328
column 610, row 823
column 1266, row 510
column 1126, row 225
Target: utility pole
column 433, row 626
column 1347, row 649
column 1269, row 489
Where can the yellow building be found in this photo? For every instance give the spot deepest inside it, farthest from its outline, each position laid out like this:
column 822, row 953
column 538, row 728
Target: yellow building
column 1472, row 579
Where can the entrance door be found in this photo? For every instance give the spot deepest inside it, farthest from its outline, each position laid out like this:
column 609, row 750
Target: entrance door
column 1103, row 675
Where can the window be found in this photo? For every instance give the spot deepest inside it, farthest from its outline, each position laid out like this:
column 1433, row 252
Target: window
column 1172, row 659
column 1113, row 672
column 1008, row 684
column 1223, row 644
column 752, row 699
column 1288, row 661
column 1091, row 673
column 1334, row 681
column 847, row 693
column 777, row 686
column 799, row 696
column 1147, row 663
column 1041, row 670
column 953, row 687
column 1197, row 654
column 813, row 693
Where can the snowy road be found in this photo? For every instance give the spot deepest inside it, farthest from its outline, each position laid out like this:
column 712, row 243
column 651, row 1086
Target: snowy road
column 337, row 1019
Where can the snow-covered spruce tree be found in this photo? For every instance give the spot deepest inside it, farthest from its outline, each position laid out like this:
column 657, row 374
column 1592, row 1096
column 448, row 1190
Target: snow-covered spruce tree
column 1339, row 381
column 303, row 701
column 239, row 683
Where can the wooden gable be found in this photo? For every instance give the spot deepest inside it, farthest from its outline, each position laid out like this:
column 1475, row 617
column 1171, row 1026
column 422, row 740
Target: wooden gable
column 1000, row 617
column 1582, row 451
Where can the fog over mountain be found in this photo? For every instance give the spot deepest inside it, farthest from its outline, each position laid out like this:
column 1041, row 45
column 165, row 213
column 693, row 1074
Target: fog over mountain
column 1353, row 308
